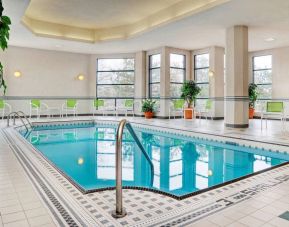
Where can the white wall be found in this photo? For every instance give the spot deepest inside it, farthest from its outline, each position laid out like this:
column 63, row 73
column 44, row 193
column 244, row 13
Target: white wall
column 44, row 73
column 280, row 70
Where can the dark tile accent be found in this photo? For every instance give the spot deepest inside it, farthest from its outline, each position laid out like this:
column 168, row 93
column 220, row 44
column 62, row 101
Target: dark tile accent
column 285, row 216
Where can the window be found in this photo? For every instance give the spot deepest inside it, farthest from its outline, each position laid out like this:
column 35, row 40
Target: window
column 115, row 78
column 262, row 75
column 154, row 75
column 201, row 70
column 177, row 74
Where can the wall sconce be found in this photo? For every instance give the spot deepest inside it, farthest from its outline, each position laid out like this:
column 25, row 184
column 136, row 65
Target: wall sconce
column 17, row 74
column 80, row 77
column 211, row 73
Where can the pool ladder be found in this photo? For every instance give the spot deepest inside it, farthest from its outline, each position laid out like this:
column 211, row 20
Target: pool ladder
column 19, row 114
column 120, row 211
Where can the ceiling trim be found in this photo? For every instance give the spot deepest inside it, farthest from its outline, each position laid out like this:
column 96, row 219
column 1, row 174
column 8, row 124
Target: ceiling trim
column 170, row 14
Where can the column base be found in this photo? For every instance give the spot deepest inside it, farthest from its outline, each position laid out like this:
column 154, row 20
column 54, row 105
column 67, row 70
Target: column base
column 237, row 125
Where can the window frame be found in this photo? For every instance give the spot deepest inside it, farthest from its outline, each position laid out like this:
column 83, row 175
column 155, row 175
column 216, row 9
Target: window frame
column 184, row 70
column 263, row 69
column 114, row 71
column 195, row 75
column 150, row 74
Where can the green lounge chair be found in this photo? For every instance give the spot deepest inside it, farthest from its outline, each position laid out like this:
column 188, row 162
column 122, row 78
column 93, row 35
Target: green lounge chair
column 177, row 106
column 38, row 107
column 128, row 107
column 273, row 109
column 98, row 106
column 70, row 105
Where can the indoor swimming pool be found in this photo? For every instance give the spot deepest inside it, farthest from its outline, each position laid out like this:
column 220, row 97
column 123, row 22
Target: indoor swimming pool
column 182, row 165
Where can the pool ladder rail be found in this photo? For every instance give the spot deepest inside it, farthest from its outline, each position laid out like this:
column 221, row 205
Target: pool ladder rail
column 19, row 114
column 120, row 210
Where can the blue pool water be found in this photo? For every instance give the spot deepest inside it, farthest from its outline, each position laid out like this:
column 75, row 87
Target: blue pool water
column 182, row 165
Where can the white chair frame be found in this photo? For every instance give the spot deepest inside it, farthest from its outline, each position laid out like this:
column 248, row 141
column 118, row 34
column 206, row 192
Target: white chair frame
column 39, row 110
column 65, row 110
column 3, row 110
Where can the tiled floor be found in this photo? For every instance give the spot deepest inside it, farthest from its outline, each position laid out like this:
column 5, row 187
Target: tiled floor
column 256, row 202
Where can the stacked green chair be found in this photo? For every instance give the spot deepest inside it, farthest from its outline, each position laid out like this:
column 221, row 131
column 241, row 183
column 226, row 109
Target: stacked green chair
column 70, row 105
column 4, row 108
column 177, row 108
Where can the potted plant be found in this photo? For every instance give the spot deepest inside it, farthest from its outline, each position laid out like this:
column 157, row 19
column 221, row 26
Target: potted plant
column 253, row 95
column 148, row 108
column 190, row 90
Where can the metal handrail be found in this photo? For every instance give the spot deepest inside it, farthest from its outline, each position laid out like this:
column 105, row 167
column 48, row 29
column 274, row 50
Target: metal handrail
column 18, row 115
column 23, row 114
column 120, row 211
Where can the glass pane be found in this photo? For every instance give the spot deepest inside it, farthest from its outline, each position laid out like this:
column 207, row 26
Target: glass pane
column 177, row 75
column 202, row 75
column 155, row 61
column 175, row 90
column 155, row 90
column 263, row 62
column 202, row 61
column 200, row 103
column 177, row 60
column 155, row 75
column 115, row 77
column 265, row 91
column 115, row 91
column 204, row 91
column 115, row 64
column 263, row 77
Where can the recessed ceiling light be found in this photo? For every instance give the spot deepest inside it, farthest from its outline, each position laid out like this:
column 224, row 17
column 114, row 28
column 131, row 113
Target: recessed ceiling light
column 271, row 39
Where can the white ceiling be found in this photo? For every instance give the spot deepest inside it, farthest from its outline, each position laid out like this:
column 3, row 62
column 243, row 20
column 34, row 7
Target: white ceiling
column 265, row 18
column 95, row 14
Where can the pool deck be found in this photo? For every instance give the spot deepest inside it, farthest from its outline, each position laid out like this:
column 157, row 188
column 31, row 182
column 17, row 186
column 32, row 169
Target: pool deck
column 34, row 194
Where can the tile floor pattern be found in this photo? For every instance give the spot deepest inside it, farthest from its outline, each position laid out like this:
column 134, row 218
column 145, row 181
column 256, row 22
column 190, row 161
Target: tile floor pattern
column 257, row 201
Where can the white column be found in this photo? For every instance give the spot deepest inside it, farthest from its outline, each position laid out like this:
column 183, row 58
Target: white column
column 217, row 81
column 236, row 85
column 165, row 83
column 140, row 80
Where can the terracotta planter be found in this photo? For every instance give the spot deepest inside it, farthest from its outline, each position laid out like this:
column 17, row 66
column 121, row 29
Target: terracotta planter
column 148, row 115
column 251, row 113
column 188, row 113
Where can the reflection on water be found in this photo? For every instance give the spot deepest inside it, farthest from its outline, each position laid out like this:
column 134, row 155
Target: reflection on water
column 181, row 165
